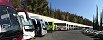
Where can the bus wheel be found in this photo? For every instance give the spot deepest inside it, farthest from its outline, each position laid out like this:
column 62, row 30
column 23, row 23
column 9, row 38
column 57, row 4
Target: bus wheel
column 59, row 29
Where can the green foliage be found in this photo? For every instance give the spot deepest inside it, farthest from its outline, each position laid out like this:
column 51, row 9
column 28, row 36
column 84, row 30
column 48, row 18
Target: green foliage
column 41, row 7
column 16, row 3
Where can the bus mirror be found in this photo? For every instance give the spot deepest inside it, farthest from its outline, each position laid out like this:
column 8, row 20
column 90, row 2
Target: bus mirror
column 35, row 21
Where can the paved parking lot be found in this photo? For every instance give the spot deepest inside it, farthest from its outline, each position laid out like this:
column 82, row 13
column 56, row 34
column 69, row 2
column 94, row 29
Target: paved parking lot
column 66, row 35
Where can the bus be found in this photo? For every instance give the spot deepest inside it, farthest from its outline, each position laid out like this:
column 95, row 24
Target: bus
column 26, row 25
column 51, row 26
column 9, row 24
column 47, row 24
column 40, row 28
column 60, row 26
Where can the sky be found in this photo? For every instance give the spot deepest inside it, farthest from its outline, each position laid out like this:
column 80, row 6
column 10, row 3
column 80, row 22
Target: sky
column 85, row 8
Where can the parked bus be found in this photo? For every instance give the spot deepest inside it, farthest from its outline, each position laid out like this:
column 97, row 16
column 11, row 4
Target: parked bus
column 61, row 26
column 9, row 24
column 47, row 24
column 51, row 26
column 26, row 25
column 40, row 28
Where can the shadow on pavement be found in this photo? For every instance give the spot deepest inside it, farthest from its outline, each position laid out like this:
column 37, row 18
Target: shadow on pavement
column 39, row 35
column 94, row 38
column 50, row 31
column 97, row 39
column 61, row 30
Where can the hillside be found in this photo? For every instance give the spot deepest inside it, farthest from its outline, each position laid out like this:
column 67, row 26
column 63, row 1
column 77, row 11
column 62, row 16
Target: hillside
column 41, row 7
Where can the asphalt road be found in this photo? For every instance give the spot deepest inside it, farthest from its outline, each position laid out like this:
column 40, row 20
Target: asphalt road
column 65, row 35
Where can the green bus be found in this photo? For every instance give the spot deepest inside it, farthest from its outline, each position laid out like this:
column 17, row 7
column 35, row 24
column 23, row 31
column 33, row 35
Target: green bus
column 51, row 26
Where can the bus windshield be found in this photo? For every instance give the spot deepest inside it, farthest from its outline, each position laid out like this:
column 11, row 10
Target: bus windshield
column 8, row 19
column 6, row 10
column 60, row 24
column 27, row 23
column 50, row 23
column 46, row 23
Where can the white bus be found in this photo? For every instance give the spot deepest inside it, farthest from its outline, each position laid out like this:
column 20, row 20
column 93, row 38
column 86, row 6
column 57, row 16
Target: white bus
column 26, row 25
column 40, row 28
column 60, row 26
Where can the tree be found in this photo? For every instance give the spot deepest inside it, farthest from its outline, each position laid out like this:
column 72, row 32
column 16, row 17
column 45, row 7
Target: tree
column 16, row 3
column 41, row 7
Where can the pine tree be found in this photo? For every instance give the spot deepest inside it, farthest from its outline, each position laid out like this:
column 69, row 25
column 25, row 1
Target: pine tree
column 101, row 17
column 93, row 23
column 97, row 26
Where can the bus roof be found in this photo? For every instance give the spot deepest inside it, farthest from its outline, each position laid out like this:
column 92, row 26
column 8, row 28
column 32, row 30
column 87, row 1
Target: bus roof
column 6, row 3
